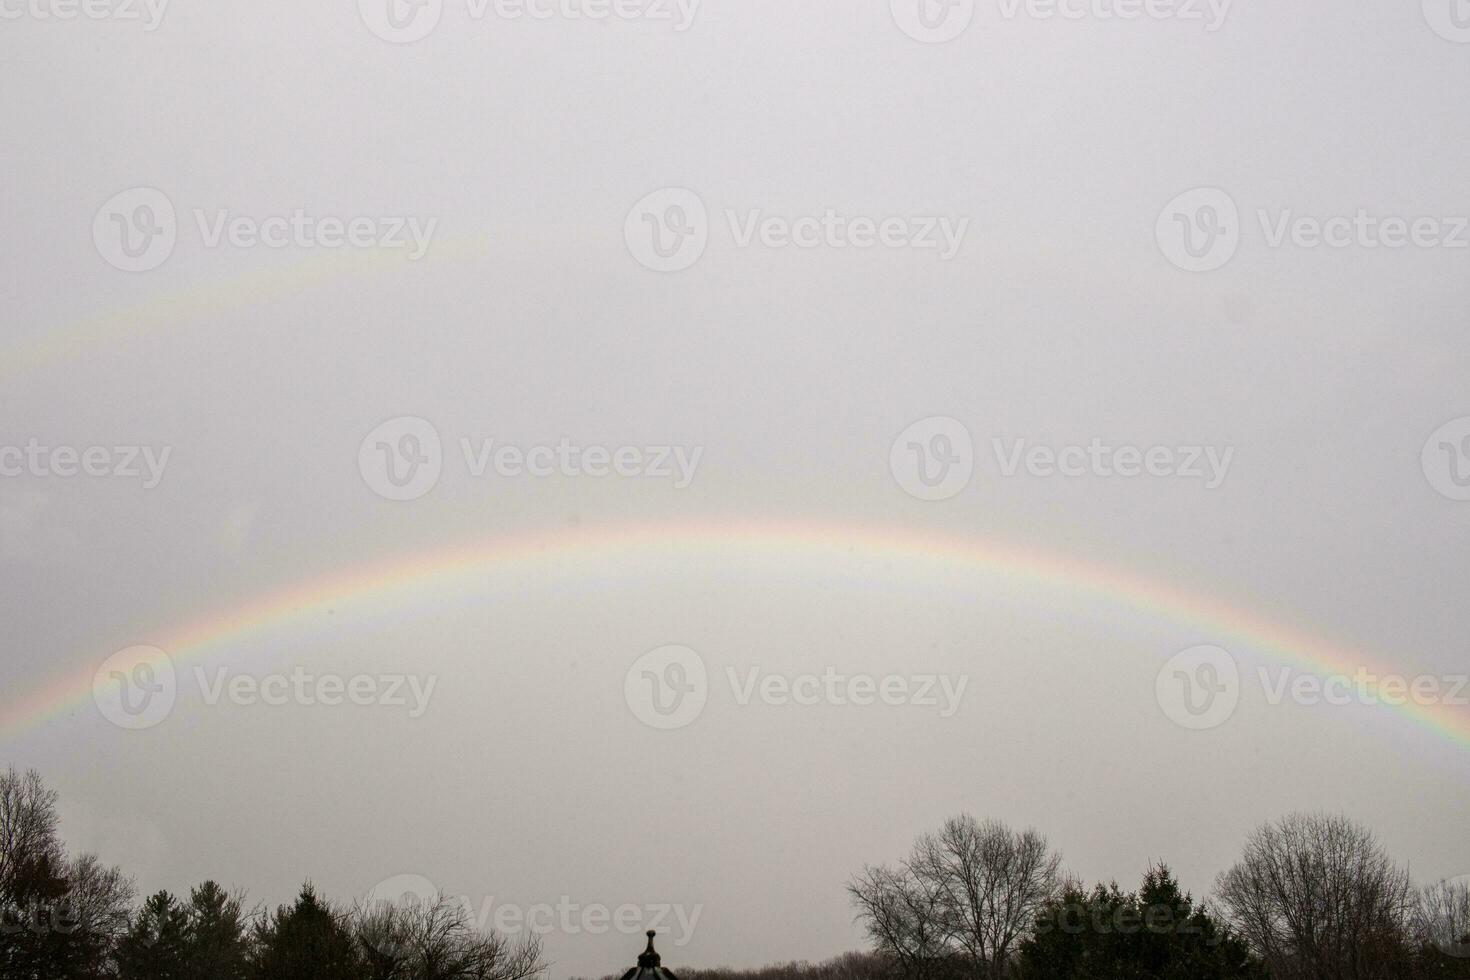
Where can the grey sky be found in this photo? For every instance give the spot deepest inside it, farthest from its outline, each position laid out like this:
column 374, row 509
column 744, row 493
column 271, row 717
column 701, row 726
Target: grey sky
column 1060, row 321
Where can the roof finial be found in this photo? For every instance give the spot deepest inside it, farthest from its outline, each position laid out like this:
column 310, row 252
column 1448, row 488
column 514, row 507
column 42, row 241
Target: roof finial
column 650, row 957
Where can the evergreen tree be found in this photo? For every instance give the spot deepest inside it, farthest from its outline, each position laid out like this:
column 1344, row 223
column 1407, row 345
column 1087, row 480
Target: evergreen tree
column 218, row 944
column 1158, row 933
column 155, row 947
column 306, row 941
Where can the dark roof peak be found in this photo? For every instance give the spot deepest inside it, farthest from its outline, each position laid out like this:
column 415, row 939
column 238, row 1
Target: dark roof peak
column 650, row 958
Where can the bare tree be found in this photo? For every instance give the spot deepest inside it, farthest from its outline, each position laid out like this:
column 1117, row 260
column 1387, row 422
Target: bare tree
column 59, row 917
column 1318, row 898
column 902, row 914
column 1442, row 920
column 965, row 896
column 27, row 823
column 437, row 941
column 100, row 897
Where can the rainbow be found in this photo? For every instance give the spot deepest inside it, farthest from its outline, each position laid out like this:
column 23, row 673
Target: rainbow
column 171, row 309
column 420, row 581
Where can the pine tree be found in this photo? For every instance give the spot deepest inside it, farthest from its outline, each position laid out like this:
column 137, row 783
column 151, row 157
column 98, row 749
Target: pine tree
column 1158, row 933
column 155, row 947
column 218, row 947
column 306, row 941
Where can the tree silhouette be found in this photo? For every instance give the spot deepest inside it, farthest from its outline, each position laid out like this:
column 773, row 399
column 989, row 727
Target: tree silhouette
column 218, row 937
column 1158, row 932
column 156, row 946
column 309, row 940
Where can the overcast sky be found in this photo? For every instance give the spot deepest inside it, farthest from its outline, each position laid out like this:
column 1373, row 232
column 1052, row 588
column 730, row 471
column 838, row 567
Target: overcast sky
column 1042, row 232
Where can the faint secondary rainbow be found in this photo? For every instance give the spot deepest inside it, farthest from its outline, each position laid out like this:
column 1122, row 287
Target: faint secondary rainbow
column 424, row 578
column 172, row 309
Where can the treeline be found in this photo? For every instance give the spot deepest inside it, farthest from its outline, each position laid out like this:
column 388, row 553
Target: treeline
column 1313, row 897
column 70, row 918
column 848, row 966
